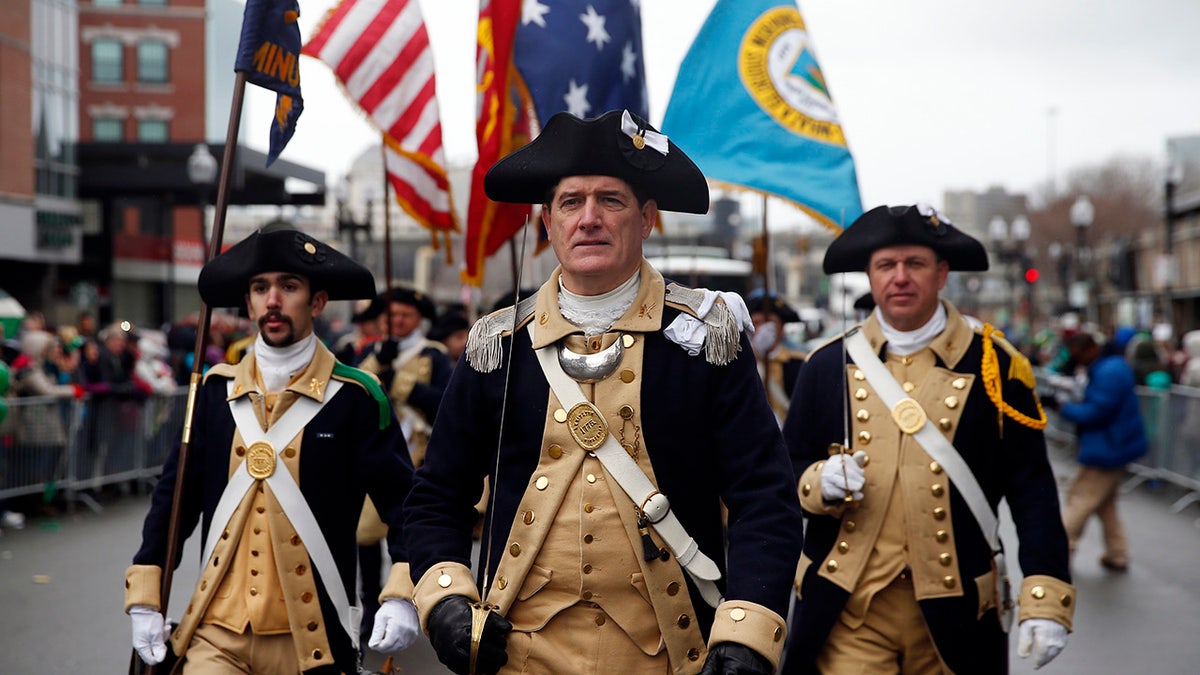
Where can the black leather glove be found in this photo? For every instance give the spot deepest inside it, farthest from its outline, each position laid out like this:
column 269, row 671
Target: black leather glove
column 732, row 658
column 386, row 351
column 1049, row 402
column 449, row 626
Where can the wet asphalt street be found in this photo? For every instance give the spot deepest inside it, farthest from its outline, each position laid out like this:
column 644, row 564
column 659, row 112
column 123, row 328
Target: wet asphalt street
column 61, row 593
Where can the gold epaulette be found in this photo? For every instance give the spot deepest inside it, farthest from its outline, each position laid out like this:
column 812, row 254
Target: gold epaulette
column 1019, row 369
column 723, row 339
column 483, row 350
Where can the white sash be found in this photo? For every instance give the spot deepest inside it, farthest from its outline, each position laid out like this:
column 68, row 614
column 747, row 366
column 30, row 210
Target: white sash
column 287, row 492
column 633, row 481
column 942, row 451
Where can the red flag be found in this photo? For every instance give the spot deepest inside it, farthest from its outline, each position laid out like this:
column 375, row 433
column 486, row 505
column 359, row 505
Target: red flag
column 502, row 126
column 379, row 51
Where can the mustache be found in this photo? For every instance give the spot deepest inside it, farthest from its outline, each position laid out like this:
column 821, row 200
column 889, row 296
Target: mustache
column 274, row 316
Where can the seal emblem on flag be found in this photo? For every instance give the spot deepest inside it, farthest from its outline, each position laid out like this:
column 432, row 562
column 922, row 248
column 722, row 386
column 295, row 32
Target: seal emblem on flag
column 780, row 72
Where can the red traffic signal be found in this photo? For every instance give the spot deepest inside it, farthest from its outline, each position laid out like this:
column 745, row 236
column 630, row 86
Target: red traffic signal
column 1031, row 275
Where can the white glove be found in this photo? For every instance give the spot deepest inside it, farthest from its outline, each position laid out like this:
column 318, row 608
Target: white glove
column 396, row 626
column 843, row 475
column 150, row 633
column 1044, row 637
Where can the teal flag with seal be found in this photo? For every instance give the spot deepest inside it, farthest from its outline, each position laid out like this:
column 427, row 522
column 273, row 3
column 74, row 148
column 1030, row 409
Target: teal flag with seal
column 753, row 110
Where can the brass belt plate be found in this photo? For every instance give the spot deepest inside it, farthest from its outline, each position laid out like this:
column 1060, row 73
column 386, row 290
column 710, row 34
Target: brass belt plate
column 909, row 415
column 588, row 427
column 260, row 460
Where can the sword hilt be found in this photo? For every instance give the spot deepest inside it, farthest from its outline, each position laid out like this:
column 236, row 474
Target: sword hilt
column 479, row 616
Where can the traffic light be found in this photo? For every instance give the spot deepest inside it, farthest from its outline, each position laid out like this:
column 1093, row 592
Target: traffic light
column 1031, row 275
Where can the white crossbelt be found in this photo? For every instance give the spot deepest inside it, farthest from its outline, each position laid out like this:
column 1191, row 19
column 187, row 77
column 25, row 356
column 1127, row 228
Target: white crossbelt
column 654, row 504
column 936, row 446
column 291, row 500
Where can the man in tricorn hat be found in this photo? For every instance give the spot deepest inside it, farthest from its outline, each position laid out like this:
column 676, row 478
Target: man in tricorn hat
column 624, row 411
column 284, row 446
column 902, row 570
column 414, row 371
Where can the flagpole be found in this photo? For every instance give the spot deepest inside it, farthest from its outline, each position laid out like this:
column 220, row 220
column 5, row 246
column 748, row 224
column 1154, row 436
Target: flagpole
column 766, row 248
column 173, row 543
column 387, row 236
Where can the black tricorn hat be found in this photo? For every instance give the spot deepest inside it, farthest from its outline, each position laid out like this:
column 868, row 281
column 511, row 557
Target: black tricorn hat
column 225, row 280
column 917, row 225
column 770, row 303
column 410, row 296
column 865, row 302
column 618, row 144
column 447, row 324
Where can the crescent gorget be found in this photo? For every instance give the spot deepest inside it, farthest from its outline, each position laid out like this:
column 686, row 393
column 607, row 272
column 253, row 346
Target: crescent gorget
column 591, row 368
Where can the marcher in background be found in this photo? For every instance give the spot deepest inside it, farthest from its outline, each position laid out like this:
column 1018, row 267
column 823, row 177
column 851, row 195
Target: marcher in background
column 778, row 362
column 450, row 329
column 1108, row 423
column 284, row 447
column 625, row 410
column 899, row 573
column 355, row 346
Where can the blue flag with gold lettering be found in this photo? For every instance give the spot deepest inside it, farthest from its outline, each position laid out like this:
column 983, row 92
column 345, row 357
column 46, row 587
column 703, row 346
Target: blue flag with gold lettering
column 752, row 108
column 269, row 55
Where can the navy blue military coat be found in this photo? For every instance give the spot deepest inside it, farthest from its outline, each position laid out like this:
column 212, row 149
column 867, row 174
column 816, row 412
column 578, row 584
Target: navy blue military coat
column 709, row 435
column 1010, row 463
column 344, row 455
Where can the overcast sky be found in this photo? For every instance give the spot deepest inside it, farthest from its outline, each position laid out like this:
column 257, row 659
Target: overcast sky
column 933, row 94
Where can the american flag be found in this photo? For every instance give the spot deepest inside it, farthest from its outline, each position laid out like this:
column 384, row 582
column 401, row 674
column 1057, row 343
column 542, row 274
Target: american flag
column 581, row 56
column 379, row 51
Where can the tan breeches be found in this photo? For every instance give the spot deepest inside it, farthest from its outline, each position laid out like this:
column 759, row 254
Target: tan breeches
column 218, row 651
column 582, row 640
column 892, row 639
column 1094, row 490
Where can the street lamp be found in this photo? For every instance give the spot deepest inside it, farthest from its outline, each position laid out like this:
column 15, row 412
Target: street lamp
column 347, row 225
column 1082, row 215
column 202, row 172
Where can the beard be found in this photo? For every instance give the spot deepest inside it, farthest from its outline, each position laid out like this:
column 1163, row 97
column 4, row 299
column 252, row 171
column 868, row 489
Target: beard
column 286, row 339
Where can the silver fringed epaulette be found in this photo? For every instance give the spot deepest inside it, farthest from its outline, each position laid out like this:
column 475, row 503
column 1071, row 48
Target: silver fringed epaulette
column 723, row 338
column 483, row 349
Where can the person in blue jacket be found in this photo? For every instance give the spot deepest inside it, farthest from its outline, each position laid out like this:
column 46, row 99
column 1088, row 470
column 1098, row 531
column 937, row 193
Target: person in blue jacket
column 1111, row 434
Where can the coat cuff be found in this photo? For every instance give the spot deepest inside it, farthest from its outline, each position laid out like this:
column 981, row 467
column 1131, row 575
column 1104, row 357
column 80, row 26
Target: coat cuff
column 399, row 584
column 143, row 586
column 440, row 582
column 809, row 489
column 752, row 625
column 1045, row 597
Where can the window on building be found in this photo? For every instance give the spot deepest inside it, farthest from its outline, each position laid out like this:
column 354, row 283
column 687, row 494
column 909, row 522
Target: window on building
column 152, row 2
column 108, row 61
column 108, row 130
column 152, row 61
column 107, row 2
column 152, row 131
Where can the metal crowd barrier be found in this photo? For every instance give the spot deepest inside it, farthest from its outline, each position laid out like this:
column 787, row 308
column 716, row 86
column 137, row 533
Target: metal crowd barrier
column 77, row 446
column 1172, row 421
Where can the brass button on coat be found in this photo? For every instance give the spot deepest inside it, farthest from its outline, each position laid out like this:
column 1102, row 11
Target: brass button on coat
column 859, row 375
column 560, row 415
column 587, row 569
column 778, row 634
column 317, row 654
column 253, row 591
column 939, row 513
column 806, row 489
column 935, row 467
column 945, row 424
column 832, row 565
column 528, row 518
column 301, row 569
column 951, row 402
column 1065, row 600
column 541, row 482
column 941, row 536
column 850, row 525
column 948, row 582
column 864, row 437
column 959, row 383
column 1037, row 592
column 289, row 453
column 627, row 340
column 239, row 451
column 843, row 547
column 626, row 412
column 860, row 394
column 693, row 654
column 908, row 387
column 555, row 451
column 683, row 621
column 862, row 415
column 627, row 376
column 444, row 580
column 945, row 559
column 600, row 620
column 514, row 550
column 937, row 490
column 587, row 538
column 737, row 614
column 673, row 588
column 502, row 583
column 306, row 597
column 312, row 625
